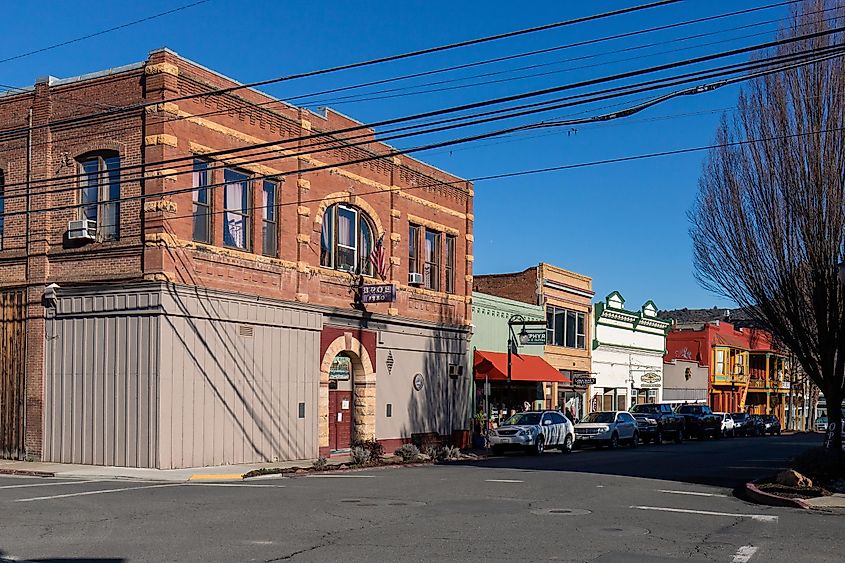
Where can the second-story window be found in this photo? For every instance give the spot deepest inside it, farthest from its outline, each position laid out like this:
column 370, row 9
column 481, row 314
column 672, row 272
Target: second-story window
column 450, row 263
column 202, row 202
column 565, row 328
column 431, row 274
column 720, row 362
column 236, row 209
column 99, row 193
column 413, row 249
column 740, row 364
column 346, row 242
column 2, row 207
column 269, row 227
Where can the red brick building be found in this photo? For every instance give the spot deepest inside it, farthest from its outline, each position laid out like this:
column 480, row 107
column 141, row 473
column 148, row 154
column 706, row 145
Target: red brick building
column 208, row 308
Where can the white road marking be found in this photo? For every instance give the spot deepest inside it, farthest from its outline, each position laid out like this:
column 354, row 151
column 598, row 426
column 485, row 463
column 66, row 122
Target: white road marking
column 341, row 476
column 104, row 491
column 234, row 485
column 758, row 517
column 744, row 554
column 46, row 484
column 691, row 493
column 755, row 467
column 503, row 481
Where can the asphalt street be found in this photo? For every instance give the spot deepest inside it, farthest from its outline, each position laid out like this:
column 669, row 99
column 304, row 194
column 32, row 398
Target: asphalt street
column 653, row 503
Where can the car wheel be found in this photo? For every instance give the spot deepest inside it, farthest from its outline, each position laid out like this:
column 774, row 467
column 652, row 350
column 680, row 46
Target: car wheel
column 539, row 446
column 498, row 450
column 679, row 437
column 635, row 440
column 614, row 441
column 567, row 445
column 658, row 438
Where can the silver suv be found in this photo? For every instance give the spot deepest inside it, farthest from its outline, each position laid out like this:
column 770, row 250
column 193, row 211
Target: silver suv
column 607, row 428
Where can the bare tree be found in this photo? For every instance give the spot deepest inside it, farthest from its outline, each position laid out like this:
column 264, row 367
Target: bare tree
column 769, row 222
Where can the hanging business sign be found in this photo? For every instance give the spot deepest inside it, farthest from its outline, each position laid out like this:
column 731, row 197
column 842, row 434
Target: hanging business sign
column 650, row 380
column 378, row 293
column 341, row 368
column 580, row 381
column 532, row 338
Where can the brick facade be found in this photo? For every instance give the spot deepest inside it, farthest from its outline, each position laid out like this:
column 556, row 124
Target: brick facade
column 155, row 225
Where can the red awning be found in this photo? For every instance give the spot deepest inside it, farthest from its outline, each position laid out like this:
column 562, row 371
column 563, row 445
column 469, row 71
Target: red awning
column 494, row 366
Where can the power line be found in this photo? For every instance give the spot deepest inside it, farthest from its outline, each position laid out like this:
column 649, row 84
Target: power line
column 102, row 32
column 402, row 56
column 615, row 115
column 453, row 109
column 217, row 112
column 243, row 103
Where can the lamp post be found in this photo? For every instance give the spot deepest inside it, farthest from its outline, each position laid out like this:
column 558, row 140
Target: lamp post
column 517, row 320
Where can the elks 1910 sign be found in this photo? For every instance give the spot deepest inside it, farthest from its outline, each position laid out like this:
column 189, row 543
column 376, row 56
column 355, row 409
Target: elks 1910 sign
column 380, row 293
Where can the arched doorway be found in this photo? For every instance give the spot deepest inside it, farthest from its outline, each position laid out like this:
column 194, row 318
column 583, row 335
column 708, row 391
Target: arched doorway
column 341, row 414
column 347, row 395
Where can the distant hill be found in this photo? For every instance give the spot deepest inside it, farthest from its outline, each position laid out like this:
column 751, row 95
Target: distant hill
column 738, row 317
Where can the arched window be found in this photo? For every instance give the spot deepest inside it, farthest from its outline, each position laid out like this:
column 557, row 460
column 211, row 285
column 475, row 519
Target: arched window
column 2, row 206
column 346, row 242
column 99, row 192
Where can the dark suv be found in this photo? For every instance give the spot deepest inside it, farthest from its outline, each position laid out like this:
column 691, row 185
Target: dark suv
column 657, row 422
column 772, row 424
column 700, row 422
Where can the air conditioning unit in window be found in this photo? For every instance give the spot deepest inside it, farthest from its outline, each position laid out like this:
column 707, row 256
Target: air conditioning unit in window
column 82, row 229
column 415, row 278
column 456, row 371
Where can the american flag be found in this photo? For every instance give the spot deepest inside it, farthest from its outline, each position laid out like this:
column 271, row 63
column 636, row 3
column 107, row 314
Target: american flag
column 377, row 259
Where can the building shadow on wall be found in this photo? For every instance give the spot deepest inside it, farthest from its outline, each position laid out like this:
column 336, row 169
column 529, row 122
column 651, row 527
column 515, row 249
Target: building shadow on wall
column 440, row 404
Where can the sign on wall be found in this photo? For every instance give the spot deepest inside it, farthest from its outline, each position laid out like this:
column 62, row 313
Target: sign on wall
column 580, row 381
column 534, row 337
column 341, row 368
column 650, row 380
column 379, row 293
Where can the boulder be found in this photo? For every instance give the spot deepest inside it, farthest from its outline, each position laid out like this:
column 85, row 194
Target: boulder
column 791, row 478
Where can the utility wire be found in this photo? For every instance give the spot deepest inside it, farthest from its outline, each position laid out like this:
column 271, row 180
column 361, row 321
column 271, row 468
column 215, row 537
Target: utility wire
column 102, row 32
column 614, row 115
column 217, row 112
column 407, row 55
column 245, row 104
column 669, row 66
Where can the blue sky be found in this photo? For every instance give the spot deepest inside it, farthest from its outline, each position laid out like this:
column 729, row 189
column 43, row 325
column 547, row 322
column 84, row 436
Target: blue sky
column 623, row 224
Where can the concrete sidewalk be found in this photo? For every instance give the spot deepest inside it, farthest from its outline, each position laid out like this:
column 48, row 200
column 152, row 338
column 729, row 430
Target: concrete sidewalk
column 215, row 473
column 836, row 500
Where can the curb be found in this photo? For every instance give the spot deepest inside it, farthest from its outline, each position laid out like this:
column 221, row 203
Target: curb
column 307, row 473
column 26, row 473
column 217, row 477
column 768, row 499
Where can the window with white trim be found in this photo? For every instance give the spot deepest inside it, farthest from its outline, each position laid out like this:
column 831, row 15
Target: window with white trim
column 236, row 197
column 565, row 328
column 346, row 241
column 99, row 193
column 431, row 275
column 270, row 225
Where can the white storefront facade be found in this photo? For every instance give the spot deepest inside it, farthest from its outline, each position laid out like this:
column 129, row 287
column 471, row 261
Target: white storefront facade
column 628, row 351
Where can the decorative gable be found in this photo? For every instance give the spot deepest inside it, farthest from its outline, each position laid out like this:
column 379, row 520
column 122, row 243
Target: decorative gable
column 649, row 309
column 615, row 301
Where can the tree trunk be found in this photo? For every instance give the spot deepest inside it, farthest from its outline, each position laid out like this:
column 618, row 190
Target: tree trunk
column 833, row 437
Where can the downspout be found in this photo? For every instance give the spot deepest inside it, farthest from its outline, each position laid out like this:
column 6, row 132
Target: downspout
column 26, row 273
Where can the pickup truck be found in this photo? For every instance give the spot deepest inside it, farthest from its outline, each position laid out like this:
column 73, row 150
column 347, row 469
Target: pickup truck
column 657, row 422
column 700, row 422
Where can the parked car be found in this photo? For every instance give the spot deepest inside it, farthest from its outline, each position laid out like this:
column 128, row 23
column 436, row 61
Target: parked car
column 728, row 424
column 772, row 424
column 758, row 427
column 608, row 428
column 534, row 432
column 657, row 422
column 821, row 424
column 742, row 424
column 700, row 422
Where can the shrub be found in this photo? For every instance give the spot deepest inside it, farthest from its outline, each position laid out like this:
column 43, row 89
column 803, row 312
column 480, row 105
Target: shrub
column 823, row 466
column 408, row 452
column 320, row 463
column 373, row 446
column 360, row 456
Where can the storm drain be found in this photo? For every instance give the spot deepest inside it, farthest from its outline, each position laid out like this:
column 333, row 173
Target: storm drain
column 626, row 531
column 560, row 511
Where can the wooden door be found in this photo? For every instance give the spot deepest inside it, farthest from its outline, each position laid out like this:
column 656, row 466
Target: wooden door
column 340, row 419
column 12, row 386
